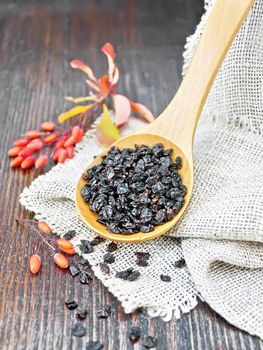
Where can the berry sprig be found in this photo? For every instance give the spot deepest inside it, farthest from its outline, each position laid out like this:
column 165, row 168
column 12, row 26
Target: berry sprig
column 37, row 146
column 28, row 151
column 54, row 245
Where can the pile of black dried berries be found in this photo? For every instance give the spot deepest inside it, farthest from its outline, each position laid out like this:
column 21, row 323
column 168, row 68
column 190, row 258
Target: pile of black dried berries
column 134, row 190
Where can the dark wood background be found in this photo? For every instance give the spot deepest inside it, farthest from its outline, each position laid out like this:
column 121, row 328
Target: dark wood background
column 38, row 38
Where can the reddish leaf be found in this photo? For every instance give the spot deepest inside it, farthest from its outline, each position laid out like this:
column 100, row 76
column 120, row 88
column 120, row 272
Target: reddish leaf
column 75, row 111
column 142, row 110
column 106, row 131
column 105, row 86
column 122, row 108
column 93, row 85
column 116, row 76
column 78, row 64
column 108, row 50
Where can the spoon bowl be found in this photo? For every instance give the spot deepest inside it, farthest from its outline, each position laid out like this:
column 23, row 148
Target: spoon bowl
column 90, row 217
column 175, row 127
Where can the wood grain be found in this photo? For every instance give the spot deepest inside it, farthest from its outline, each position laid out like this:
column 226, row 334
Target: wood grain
column 38, row 38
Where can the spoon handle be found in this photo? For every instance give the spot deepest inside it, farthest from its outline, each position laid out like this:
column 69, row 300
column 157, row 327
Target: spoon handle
column 179, row 119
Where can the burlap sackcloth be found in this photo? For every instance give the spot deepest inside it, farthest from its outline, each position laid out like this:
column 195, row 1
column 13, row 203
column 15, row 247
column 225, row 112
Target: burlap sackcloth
column 221, row 234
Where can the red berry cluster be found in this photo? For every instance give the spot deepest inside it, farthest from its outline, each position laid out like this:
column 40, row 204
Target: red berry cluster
column 62, row 244
column 35, row 141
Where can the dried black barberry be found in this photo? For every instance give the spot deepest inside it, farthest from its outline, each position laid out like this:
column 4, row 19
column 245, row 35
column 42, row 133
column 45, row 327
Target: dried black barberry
column 178, row 162
column 142, row 255
column 104, row 268
column 149, row 342
column 69, row 235
column 73, row 269
column 86, row 193
column 94, row 345
column 104, row 312
column 81, row 315
column 78, row 330
column 133, row 190
column 179, row 263
column 97, row 240
column 85, row 277
column 84, row 263
column 71, row 304
column 141, row 262
column 86, row 246
column 165, row 278
column 134, row 334
column 124, row 274
column 146, row 228
column 133, row 276
column 112, row 247
column 108, row 258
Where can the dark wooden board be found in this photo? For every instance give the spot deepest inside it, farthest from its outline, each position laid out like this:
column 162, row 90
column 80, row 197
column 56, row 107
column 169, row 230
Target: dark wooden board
column 38, row 38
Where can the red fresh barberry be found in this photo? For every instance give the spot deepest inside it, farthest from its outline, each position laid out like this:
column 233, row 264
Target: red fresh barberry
column 64, row 244
column 61, row 260
column 16, row 162
column 61, row 142
column 37, row 139
column 25, row 152
column 35, row 145
column 70, row 141
column 69, row 251
column 32, row 134
column 56, row 154
column 41, row 161
column 77, row 132
column 63, row 155
column 43, row 227
column 21, row 142
column 28, row 163
column 70, row 151
column 13, row 152
column 50, row 138
column 48, row 126
column 34, row 263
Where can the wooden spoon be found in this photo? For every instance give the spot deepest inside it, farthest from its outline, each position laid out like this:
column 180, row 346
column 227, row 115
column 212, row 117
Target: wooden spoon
column 175, row 127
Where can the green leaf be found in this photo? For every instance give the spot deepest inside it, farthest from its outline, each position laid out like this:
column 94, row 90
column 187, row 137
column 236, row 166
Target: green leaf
column 106, row 130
